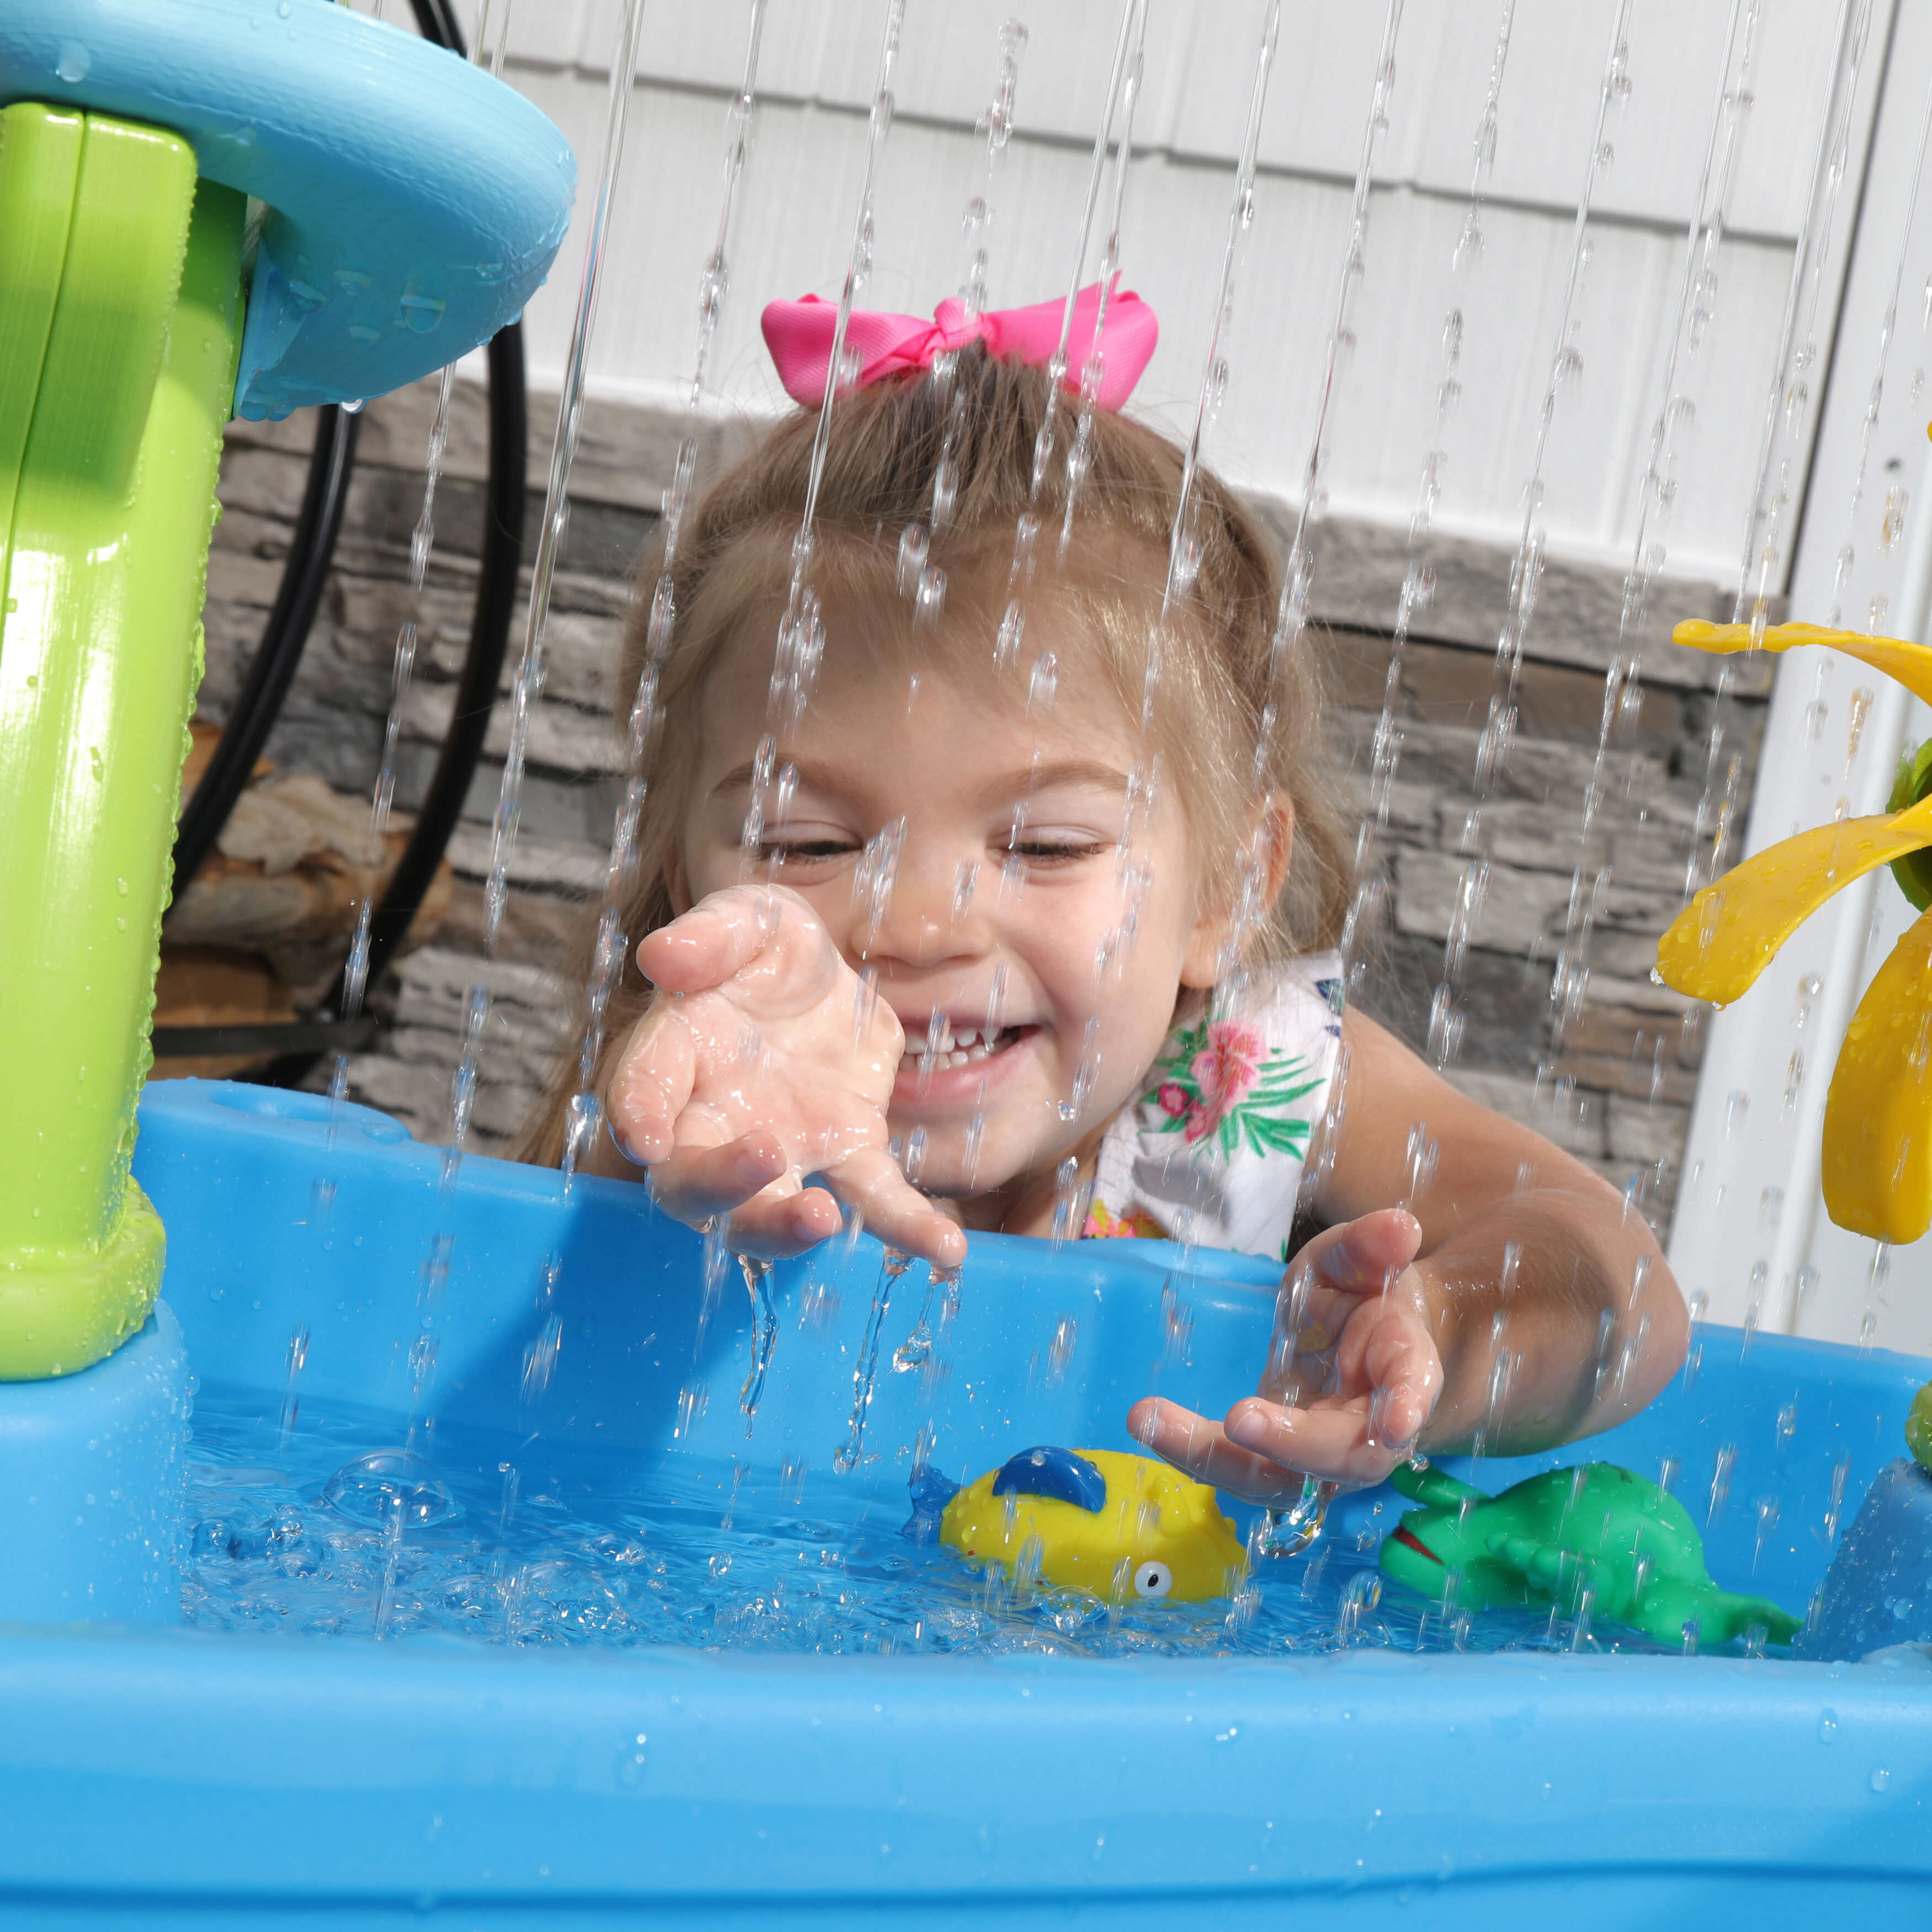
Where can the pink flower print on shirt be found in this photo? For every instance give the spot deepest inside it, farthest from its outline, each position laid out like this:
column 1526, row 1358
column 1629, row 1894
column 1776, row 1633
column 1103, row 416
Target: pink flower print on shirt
column 1222, row 1087
column 1223, row 1070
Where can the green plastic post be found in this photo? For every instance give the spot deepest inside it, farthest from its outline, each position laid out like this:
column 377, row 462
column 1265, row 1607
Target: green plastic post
column 120, row 279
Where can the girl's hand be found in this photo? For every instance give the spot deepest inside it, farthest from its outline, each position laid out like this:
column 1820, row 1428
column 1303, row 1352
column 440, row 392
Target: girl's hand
column 1345, row 1401
column 761, row 1062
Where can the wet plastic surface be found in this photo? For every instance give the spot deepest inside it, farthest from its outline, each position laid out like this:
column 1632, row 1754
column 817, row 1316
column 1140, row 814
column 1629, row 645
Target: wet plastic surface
column 415, row 204
column 1878, row 1591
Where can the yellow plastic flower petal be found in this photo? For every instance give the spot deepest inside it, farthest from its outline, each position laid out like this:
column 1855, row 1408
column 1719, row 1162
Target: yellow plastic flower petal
column 1877, row 1153
column 1725, row 937
column 1910, row 663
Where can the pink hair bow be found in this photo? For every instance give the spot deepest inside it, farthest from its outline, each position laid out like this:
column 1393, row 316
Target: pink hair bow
column 798, row 334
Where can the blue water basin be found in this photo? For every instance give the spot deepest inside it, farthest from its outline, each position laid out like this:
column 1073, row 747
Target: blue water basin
column 158, row 1775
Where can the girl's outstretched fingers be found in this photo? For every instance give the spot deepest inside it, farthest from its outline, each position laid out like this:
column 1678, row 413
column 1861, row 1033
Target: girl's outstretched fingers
column 717, row 938
column 1202, row 1448
column 1362, row 1256
column 652, row 1087
column 775, row 1226
column 694, row 1182
column 1382, row 1376
column 1263, row 1449
column 895, row 1211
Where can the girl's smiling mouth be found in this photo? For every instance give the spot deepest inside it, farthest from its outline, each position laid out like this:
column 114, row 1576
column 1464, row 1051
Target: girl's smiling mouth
column 953, row 1066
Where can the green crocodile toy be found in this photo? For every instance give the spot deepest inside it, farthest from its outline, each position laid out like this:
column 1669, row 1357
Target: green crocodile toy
column 1543, row 1541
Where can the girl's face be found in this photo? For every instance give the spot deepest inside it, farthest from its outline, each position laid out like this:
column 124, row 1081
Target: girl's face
column 1010, row 827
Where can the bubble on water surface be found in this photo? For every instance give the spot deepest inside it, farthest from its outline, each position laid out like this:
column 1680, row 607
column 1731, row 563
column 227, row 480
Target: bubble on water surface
column 391, row 1485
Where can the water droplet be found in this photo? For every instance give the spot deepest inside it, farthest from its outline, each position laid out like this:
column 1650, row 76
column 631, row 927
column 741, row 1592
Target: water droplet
column 74, row 62
column 1881, row 1778
column 1828, row 1726
column 420, row 314
column 390, row 1485
column 1043, row 683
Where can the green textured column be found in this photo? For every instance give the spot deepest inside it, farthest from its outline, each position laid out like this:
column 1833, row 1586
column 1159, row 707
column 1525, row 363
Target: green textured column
column 106, row 504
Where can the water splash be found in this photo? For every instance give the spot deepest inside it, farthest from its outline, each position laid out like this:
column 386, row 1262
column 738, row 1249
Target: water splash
column 1123, row 91
column 1418, row 584
column 390, row 1487
column 1725, row 1461
column 298, row 1357
column 532, row 665
column 1093, row 369
column 1784, row 447
column 800, row 639
column 865, row 1376
column 996, row 125
column 757, row 1275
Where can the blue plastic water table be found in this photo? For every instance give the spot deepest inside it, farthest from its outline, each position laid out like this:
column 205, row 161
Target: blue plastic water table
column 162, row 1776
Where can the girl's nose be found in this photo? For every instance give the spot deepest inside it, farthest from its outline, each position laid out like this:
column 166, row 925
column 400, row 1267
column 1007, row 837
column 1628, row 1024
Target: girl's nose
column 933, row 914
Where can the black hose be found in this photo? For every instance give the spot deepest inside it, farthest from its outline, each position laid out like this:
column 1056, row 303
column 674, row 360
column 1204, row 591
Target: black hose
column 435, row 20
column 259, row 703
column 497, row 599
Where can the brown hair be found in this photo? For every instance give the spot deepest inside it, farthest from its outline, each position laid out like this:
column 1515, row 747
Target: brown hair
column 1220, row 697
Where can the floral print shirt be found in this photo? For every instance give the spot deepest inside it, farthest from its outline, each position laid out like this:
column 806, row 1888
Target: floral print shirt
column 1211, row 1152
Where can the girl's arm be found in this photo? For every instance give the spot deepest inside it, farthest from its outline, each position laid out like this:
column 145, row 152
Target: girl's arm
column 1523, row 1248
column 1515, row 1295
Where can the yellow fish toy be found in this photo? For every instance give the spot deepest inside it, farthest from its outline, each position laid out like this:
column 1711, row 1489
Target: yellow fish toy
column 1117, row 1526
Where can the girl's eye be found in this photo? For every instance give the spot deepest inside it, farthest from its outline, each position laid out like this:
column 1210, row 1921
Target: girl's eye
column 1055, row 851
column 803, row 851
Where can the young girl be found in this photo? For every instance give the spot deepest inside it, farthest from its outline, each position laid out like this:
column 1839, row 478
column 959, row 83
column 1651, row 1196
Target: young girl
column 991, row 916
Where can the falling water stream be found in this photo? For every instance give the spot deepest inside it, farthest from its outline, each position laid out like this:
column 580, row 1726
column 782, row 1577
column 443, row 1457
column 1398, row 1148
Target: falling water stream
column 533, row 664
column 585, row 1116
column 1445, row 1023
column 1289, row 1531
column 422, row 1346
column 1696, row 305
column 486, row 52
column 1795, row 387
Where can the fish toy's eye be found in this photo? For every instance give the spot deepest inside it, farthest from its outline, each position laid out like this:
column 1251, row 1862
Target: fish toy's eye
column 1153, row 1579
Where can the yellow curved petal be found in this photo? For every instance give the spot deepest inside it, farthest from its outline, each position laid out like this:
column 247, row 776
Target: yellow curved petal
column 1910, row 663
column 1725, row 937
column 1877, row 1155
